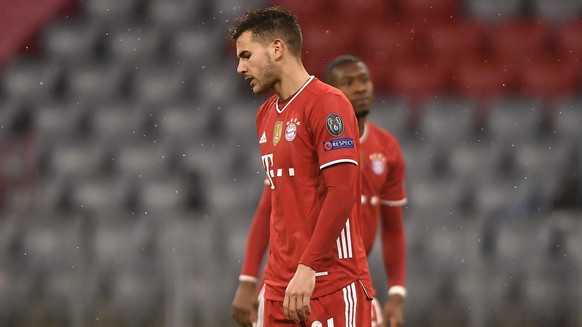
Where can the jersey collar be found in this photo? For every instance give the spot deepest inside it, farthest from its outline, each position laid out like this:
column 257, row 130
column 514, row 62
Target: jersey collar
column 293, row 98
column 365, row 134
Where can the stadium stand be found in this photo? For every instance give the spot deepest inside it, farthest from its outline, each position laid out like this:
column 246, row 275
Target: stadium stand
column 129, row 170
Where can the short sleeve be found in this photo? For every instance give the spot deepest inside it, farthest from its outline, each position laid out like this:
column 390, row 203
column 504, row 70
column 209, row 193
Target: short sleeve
column 393, row 192
column 335, row 130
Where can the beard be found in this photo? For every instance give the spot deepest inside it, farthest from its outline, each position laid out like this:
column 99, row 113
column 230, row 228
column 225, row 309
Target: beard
column 266, row 78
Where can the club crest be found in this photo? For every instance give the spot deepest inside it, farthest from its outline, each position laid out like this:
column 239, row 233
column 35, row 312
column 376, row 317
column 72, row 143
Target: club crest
column 378, row 162
column 291, row 130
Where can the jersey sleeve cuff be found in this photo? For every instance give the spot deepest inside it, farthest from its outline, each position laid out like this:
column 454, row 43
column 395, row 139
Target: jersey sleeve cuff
column 397, row 290
column 397, row 203
column 338, row 161
column 247, row 278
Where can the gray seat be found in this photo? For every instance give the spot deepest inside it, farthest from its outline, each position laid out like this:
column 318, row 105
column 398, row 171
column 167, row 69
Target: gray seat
column 93, row 81
column 98, row 192
column 182, row 122
column 159, row 85
column 118, row 122
column 448, row 121
column 134, row 43
column 174, row 14
column 193, row 46
column 72, row 40
column 557, row 11
column 142, row 160
column 110, row 10
column 567, row 119
column 77, row 159
column 56, row 122
column 392, row 114
column 31, row 80
column 495, row 10
column 512, row 121
column 163, row 194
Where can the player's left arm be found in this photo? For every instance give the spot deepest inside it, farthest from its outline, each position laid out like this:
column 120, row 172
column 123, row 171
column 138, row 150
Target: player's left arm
column 393, row 237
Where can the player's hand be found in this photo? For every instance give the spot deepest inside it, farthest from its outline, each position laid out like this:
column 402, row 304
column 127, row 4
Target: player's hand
column 394, row 311
column 298, row 293
column 245, row 304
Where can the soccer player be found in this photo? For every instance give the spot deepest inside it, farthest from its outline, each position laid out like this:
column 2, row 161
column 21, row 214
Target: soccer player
column 317, row 272
column 382, row 169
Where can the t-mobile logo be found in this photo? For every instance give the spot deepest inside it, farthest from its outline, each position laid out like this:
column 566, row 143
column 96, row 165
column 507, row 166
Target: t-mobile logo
column 272, row 172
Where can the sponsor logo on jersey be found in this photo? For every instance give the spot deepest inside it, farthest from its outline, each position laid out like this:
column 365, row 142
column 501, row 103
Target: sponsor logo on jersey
column 263, row 138
column 334, row 124
column 342, row 143
column 277, row 132
column 378, row 163
column 291, row 130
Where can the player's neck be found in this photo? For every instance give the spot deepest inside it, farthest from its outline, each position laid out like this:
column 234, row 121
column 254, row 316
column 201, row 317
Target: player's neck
column 362, row 125
column 293, row 77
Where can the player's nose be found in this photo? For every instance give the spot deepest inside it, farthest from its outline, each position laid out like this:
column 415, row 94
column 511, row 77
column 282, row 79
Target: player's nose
column 241, row 68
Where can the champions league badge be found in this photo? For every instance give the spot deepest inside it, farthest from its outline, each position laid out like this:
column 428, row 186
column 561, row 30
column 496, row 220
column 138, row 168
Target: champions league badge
column 378, row 163
column 334, row 124
column 291, row 130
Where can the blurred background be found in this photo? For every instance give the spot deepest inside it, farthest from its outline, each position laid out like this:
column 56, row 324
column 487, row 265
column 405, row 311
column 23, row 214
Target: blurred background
column 129, row 169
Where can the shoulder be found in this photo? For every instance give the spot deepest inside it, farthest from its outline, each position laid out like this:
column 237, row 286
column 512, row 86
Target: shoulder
column 382, row 134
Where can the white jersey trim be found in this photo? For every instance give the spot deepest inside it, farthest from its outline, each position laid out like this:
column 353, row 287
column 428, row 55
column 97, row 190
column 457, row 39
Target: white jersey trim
column 365, row 134
column 293, row 98
column 247, row 278
column 397, row 203
column 338, row 161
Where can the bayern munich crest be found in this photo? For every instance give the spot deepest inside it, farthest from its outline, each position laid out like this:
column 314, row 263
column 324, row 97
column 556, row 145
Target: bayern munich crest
column 378, row 163
column 291, row 130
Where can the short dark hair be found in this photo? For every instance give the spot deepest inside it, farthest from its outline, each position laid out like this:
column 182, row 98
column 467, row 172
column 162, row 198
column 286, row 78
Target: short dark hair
column 338, row 61
column 267, row 24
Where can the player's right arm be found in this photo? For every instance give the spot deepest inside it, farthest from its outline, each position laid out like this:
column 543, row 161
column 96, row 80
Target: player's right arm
column 245, row 302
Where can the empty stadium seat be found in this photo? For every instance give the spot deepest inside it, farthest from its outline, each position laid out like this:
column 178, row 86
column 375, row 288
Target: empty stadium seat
column 494, row 10
column 158, row 85
column 95, row 193
column 567, row 118
column 75, row 159
column 32, row 80
column 118, row 122
column 482, row 78
column 420, row 79
column 391, row 114
column 557, row 11
column 174, row 14
column 426, row 9
column 133, row 43
column 549, row 78
column 449, row 121
column 72, row 40
column 95, row 81
column 111, row 10
column 514, row 120
column 457, row 37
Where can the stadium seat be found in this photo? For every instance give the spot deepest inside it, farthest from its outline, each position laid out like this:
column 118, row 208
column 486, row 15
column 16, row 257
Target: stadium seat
column 304, row 10
column 182, row 121
column 391, row 114
column 162, row 193
column 133, row 43
column 514, row 120
column 494, row 10
column 426, row 9
column 447, row 121
column 118, row 122
column 142, row 160
column 549, row 78
column 387, row 45
column 519, row 41
column 567, row 118
column 352, row 11
column 33, row 80
column 174, row 14
column 419, row 79
column 454, row 38
column 111, row 10
column 193, row 46
column 158, row 85
column 568, row 38
column 557, row 11
column 482, row 78
column 76, row 159
column 17, row 294
column 72, row 40
column 94, row 81
column 94, row 193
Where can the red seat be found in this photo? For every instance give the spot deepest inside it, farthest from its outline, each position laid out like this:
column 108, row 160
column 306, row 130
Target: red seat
column 305, row 10
column 481, row 78
column 455, row 38
column 357, row 12
column 323, row 41
column 569, row 42
column 520, row 40
column 549, row 78
column 429, row 9
column 418, row 78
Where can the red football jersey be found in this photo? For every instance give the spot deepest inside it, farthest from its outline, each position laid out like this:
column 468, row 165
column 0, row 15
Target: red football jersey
column 382, row 166
column 314, row 129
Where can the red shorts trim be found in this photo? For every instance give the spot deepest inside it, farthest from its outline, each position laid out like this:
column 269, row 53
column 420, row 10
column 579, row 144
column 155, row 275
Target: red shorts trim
column 347, row 307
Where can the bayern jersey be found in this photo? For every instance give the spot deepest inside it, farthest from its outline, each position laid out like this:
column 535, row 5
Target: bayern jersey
column 314, row 129
column 382, row 166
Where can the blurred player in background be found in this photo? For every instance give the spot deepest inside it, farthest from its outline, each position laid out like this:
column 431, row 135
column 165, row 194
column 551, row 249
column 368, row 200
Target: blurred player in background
column 382, row 169
column 317, row 272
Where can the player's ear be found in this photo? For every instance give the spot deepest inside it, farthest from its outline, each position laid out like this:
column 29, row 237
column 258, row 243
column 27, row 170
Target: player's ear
column 278, row 47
